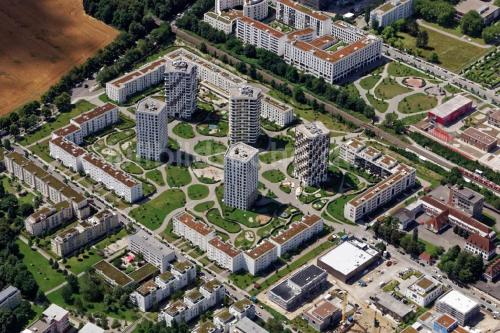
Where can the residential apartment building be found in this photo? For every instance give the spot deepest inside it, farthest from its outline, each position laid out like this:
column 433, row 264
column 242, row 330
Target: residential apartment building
column 54, row 320
column 260, row 257
column 224, row 320
column 298, row 16
column 297, row 233
column 225, row 255
column 84, row 233
column 259, row 34
column 244, row 114
column 225, row 22
column 10, row 297
column 181, row 88
column 333, row 65
column 96, row 119
column 152, row 249
column 467, row 200
column 195, row 303
column 279, row 113
column 424, row 291
column 479, row 139
column 112, row 178
column 126, row 85
column 198, row 233
column 40, row 180
column 346, row 32
column 312, row 144
column 255, row 9
column 241, row 176
column 402, row 179
column 303, row 285
column 482, row 246
column 355, row 152
column 457, row 305
column 316, row 4
column 153, row 292
column 244, row 308
column 391, row 11
column 46, row 219
column 494, row 118
column 151, row 128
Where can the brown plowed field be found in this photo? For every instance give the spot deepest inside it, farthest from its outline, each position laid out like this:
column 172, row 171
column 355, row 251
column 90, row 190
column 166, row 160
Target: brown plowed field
column 40, row 40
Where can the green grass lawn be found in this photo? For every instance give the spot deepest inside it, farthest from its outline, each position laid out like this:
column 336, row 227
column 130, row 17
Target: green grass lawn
column 389, row 88
column 197, row 192
column 111, row 239
column 379, row 105
column 152, row 213
column 213, row 216
column 204, row 206
column 116, row 137
column 274, row 176
column 416, row 103
column 400, row 70
column 242, row 242
column 209, row 147
column 81, row 263
column 42, row 150
column 336, row 207
column 282, row 147
column 369, row 82
column 131, row 167
column 147, row 188
column 217, row 159
column 173, row 144
column 453, row 54
column 184, row 130
column 156, row 177
column 410, row 120
column 243, row 280
column 61, row 120
column 46, row 277
column 451, row 89
column 178, row 176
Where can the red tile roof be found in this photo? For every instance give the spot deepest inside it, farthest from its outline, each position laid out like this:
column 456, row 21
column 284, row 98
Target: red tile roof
column 260, row 250
column 68, row 146
column 199, row 227
column 480, row 242
column 94, row 113
column 304, row 9
column 261, row 26
column 224, row 247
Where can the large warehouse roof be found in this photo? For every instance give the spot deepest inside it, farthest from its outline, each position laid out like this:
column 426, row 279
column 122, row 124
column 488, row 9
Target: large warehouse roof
column 347, row 257
column 458, row 301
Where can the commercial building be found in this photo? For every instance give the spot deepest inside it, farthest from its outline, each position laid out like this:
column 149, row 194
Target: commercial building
column 244, row 114
column 310, row 161
column 50, row 187
column 402, row 179
column 195, row 303
column 153, row 292
column 181, row 87
column 260, row 257
column 54, row 320
column 112, row 178
column 450, row 111
column 444, row 323
column 153, row 250
column 241, row 176
column 84, row 233
column 300, row 17
column 494, row 118
column 46, row 219
column 10, row 297
column 259, row 34
column 198, row 233
column 121, row 88
column 246, row 325
column 349, row 260
column 225, row 255
column 323, row 315
column 151, row 128
column 457, row 305
column 279, row 113
column 479, row 245
column 467, row 200
column 479, row 139
column 301, row 286
column 297, row 233
column 424, row 291
column 391, row 11
column 489, row 11
column 226, row 21
column 390, row 305
column 355, row 152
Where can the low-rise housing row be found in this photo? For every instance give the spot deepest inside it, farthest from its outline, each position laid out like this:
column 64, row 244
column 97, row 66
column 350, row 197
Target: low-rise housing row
column 273, row 110
column 198, row 233
column 298, row 16
column 358, row 154
column 195, row 302
column 225, row 21
column 254, row 32
column 155, row 291
column 260, row 257
column 46, row 218
column 84, row 233
column 298, row 233
column 152, row 249
column 402, row 179
column 391, row 11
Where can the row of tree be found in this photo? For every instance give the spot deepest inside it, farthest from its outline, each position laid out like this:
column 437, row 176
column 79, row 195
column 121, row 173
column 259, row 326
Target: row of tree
column 461, row 266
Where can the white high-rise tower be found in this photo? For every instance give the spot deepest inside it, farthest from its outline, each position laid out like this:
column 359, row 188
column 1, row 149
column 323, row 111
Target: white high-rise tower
column 152, row 133
column 181, row 85
column 244, row 114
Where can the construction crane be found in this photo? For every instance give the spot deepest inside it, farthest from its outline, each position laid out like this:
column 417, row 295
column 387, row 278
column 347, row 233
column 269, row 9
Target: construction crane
column 344, row 307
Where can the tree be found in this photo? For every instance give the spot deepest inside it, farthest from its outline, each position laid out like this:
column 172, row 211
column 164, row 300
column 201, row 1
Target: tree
column 63, row 102
column 67, row 294
column 491, row 34
column 422, row 39
column 434, row 58
column 14, row 129
column 73, row 283
column 203, row 48
column 298, row 95
column 6, row 144
column 472, row 24
column 367, row 15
